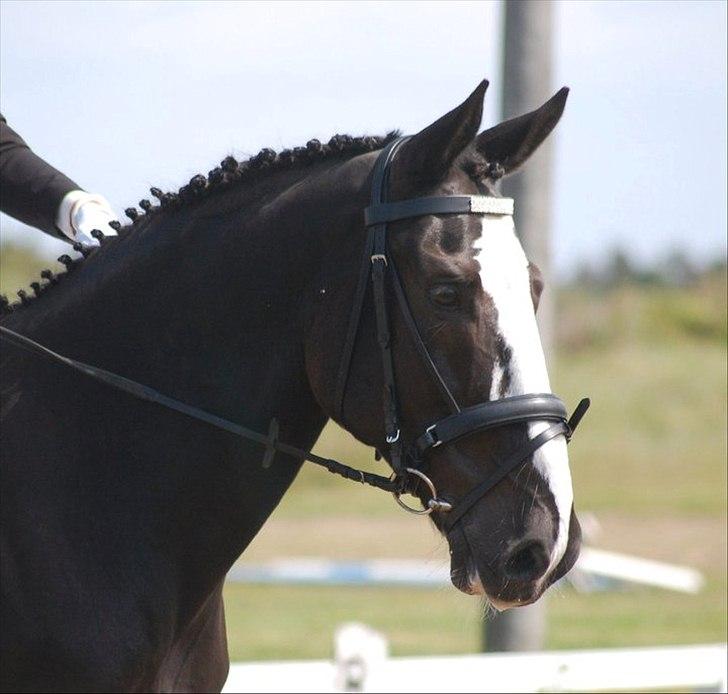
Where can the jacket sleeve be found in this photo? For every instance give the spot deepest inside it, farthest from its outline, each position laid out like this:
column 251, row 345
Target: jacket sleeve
column 31, row 190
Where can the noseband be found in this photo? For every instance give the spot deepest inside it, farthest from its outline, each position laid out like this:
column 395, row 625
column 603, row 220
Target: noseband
column 407, row 461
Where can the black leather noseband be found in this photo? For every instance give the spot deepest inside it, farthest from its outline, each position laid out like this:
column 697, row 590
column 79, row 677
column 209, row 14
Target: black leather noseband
column 406, row 460
column 488, row 415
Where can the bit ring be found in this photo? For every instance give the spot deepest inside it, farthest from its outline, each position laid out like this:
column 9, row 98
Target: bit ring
column 434, row 504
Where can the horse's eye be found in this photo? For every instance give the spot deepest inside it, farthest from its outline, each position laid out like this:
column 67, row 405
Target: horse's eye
column 445, row 295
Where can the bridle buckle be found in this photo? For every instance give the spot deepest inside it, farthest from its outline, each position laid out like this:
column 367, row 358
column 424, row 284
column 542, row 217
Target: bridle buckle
column 393, row 438
column 379, row 256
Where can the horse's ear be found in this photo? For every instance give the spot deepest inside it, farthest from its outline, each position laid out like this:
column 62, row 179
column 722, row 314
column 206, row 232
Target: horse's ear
column 428, row 155
column 510, row 143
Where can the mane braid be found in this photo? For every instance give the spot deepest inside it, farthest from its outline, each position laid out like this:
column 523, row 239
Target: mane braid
column 230, row 175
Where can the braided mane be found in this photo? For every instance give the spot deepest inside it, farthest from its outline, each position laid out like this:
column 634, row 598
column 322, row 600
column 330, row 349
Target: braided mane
column 230, row 175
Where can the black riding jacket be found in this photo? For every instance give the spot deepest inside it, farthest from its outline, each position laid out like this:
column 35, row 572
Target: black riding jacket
column 31, row 190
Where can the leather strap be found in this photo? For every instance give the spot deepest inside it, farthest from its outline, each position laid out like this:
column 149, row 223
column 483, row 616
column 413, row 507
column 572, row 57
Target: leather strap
column 379, row 263
column 381, row 167
column 409, row 320
column 352, row 328
column 142, row 392
column 488, row 415
column 391, row 417
column 504, row 468
column 381, row 212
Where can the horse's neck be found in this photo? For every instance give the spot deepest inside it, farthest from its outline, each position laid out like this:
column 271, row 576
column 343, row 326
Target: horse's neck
column 202, row 304
column 214, row 321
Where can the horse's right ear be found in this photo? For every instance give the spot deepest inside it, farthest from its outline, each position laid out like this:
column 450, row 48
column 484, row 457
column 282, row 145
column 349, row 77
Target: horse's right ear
column 427, row 156
column 510, row 143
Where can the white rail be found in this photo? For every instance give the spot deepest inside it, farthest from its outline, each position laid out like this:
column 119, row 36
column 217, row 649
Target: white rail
column 700, row 667
column 595, row 570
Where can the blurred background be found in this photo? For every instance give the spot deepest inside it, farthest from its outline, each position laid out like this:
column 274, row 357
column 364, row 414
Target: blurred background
column 124, row 95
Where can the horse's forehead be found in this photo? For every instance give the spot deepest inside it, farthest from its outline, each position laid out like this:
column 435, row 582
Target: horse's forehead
column 496, row 235
column 484, row 245
column 457, row 234
column 438, row 246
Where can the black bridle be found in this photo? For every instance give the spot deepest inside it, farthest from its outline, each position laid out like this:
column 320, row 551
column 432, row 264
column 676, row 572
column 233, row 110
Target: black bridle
column 406, row 460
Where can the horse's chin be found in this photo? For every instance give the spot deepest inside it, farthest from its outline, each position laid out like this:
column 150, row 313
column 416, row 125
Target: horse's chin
column 467, row 580
column 502, row 605
column 470, row 584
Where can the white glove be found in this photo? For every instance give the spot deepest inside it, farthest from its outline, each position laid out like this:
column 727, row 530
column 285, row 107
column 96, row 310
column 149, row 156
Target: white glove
column 80, row 213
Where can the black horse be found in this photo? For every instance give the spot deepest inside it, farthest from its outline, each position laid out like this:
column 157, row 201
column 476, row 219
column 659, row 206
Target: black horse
column 120, row 518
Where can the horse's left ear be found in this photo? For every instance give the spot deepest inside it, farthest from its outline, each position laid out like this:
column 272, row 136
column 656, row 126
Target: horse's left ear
column 510, row 143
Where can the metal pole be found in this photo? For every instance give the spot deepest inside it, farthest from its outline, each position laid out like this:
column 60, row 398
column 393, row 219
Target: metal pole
column 526, row 85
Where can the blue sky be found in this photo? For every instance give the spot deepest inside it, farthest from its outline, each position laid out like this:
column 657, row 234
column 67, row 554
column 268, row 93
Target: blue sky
column 124, row 95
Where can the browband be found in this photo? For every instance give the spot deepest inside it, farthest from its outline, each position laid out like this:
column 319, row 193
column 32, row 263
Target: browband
column 380, row 213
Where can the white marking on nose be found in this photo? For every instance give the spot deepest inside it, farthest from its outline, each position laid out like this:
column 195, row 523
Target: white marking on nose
column 505, row 278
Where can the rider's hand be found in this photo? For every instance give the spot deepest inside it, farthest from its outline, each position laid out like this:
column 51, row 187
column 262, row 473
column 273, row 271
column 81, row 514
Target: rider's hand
column 80, row 213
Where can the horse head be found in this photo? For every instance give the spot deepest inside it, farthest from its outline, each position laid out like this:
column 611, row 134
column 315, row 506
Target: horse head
column 473, row 295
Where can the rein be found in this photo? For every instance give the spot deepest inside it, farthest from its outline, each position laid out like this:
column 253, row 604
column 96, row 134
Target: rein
column 406, row 461
column 142, row 392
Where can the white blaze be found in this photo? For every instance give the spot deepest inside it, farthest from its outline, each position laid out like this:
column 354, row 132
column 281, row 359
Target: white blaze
column 505, row 278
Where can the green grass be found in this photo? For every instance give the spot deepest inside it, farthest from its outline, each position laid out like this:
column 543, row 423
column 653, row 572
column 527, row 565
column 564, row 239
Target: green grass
column 654, row 440
column 298, row 622
column 637, row 617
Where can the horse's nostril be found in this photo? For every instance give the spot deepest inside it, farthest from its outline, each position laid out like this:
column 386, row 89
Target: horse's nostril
column 527, row 562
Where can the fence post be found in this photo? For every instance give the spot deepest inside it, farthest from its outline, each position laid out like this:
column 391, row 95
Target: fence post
column 526, row 85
